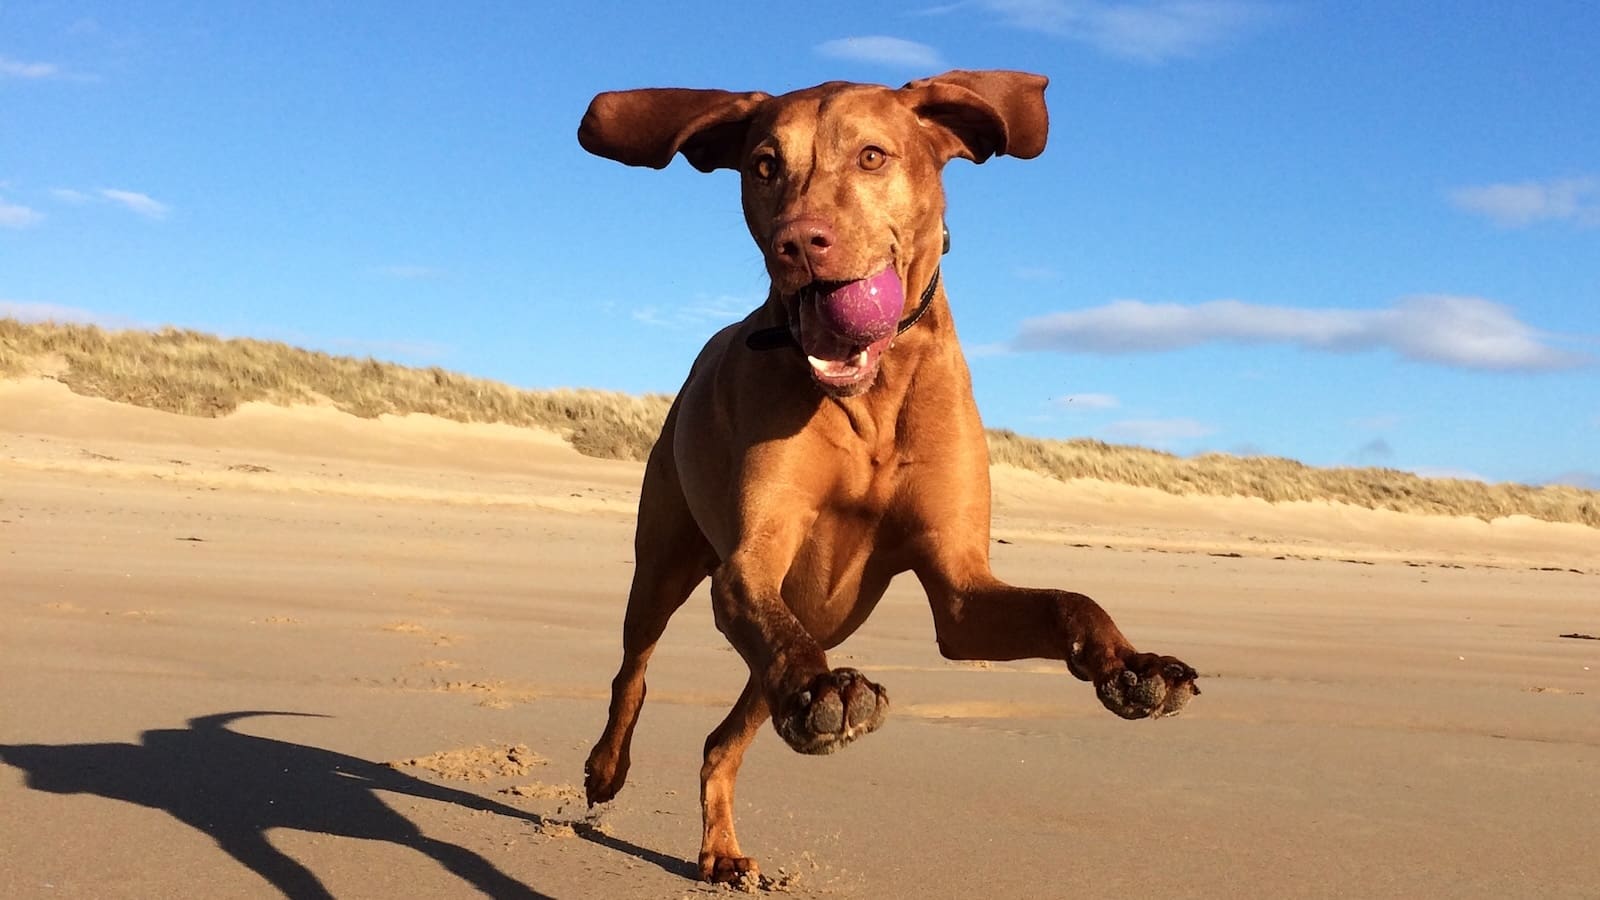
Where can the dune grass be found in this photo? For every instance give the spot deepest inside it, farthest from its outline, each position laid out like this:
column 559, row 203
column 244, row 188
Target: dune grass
column 1280, row 480
column 197, row 374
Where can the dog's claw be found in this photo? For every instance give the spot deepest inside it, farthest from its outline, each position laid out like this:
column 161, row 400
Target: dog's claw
column 1148, row 686
column 1177, row 672
column 835, row 709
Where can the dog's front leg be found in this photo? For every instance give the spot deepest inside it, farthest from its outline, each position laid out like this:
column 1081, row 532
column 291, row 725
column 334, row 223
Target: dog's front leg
column 977, row 616
column 814, row 709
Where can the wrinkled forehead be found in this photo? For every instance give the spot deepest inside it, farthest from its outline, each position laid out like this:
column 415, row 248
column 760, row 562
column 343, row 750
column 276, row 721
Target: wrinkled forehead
column 838, row 111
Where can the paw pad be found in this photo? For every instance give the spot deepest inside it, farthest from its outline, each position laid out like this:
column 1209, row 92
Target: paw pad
column 835, row 709
column 1163, row 689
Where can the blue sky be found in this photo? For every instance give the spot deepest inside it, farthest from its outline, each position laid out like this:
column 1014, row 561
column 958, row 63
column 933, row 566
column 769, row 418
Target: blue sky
column 1342, row 232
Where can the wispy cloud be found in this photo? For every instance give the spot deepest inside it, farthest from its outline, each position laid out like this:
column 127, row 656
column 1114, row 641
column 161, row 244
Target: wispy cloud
column 1157, row 432
column 940, row 9
column 142, row 204
column 882, row 50
column 697, row 314
column 1461, row 332
column 15, row 215
column 133, row 201
column 28, row 311
column 1524, row 203
column 1149, row 32
column 1087, row 402
column 31, row 71
column 411, row 272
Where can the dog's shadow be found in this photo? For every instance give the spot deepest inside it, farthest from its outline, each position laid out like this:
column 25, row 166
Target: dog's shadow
column 236, row 787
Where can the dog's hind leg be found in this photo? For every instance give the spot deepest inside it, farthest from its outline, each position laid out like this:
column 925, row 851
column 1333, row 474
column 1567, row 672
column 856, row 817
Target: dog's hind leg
column 720, row 857
column 671, row 557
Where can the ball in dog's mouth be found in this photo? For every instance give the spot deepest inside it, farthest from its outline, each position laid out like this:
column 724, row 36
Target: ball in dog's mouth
column 844, row 327
column 862, row 311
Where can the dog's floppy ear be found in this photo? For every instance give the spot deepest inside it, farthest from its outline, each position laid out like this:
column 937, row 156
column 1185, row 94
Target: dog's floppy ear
column 646, row 127
column 976, row 115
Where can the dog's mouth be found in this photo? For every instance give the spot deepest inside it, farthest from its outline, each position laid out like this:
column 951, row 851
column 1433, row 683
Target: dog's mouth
column 844, row 327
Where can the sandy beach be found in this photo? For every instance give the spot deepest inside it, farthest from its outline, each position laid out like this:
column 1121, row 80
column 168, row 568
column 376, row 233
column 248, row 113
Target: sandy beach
column 294, row 652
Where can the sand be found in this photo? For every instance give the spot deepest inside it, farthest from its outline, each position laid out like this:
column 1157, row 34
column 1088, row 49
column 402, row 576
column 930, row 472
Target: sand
column 367, row 659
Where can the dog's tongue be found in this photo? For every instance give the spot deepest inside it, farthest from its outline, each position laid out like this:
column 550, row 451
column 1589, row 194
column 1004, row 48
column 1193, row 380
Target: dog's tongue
column 863, row 312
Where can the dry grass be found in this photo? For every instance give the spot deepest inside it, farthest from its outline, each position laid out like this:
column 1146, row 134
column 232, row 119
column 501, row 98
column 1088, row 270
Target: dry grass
column 1278, row 480
column 200, row 375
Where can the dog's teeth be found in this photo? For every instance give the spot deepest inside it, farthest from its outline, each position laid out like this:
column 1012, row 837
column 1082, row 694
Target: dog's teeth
column 836, row 368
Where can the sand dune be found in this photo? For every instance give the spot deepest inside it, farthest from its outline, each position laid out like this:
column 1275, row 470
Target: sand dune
column 293, row 648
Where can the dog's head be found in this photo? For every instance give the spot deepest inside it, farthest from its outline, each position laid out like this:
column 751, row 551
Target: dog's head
column 840, row 184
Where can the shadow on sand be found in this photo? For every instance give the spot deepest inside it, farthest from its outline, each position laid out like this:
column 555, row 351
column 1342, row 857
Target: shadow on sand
column 236, row 787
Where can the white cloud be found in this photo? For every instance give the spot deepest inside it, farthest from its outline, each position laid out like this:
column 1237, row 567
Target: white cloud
column 1157, row 432
column 1524, row 203
column 698, row 314
column 26, row 311
column 133, row 201
column 14, row 215
column 1150, row 32
column 1462, row 332
column 14, row 68
column 142, row 204
column 1085, row 402
column 881, row 50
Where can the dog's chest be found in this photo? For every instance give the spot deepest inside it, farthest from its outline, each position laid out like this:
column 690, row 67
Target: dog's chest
column 871, row 475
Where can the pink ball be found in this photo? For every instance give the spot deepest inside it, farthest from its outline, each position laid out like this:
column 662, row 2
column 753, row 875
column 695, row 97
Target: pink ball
column 864, row 311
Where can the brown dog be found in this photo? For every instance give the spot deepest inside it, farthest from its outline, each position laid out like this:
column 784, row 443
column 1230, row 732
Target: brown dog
column 826, row 444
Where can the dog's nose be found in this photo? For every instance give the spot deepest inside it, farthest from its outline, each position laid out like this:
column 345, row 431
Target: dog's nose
column 803, row 242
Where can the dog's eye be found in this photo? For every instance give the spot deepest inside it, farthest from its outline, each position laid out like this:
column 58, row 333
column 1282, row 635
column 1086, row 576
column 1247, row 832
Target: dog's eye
column 873, row 158
column 765, row 167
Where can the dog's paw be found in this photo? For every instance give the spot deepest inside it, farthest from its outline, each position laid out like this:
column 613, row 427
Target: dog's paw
column 1148, row 686
column 603, row 775
column 834, row 709
column 739, row 871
